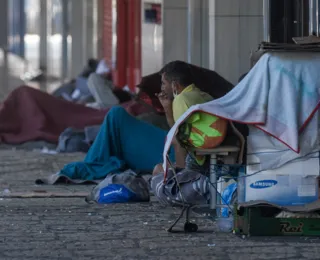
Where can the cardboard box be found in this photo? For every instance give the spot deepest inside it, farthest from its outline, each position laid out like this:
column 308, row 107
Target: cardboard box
column 295, row 183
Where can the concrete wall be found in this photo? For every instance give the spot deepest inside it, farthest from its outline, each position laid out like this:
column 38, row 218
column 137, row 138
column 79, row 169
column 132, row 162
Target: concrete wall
column 175, row 29
column 224, row 32
column 236, row 28
column 151, row 42
column 4, row 24
column 83, row 32
column 78, row 33
column 90, row 29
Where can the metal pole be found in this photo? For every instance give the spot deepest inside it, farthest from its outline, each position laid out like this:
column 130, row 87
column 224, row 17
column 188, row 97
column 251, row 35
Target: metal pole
column 301, row 26
column 204, row 16
column 266, row 20
column 65, row 33
column 22, row 30
column 78, row 32
column 317, row 17
column 4, row 31
column 4, row 25
column 85, row 31
column 311, row 22
column 43, row 48
column 95, row 32
column 190, row 36
column 89, row 28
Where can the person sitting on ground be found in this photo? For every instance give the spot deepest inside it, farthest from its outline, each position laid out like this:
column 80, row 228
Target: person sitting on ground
column 126, row 142
column 201, row 130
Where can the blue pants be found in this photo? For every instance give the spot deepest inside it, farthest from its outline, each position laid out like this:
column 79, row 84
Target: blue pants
column 123, row 142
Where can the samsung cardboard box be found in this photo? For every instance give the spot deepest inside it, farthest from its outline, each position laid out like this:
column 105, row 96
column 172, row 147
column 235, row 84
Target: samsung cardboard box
column 295, row 183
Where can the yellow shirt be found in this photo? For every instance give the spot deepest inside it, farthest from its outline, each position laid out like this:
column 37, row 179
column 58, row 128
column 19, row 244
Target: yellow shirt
column 189, row 97
column 201, row 130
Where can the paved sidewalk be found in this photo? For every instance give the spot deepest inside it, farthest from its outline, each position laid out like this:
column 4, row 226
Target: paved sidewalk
column 72, row 229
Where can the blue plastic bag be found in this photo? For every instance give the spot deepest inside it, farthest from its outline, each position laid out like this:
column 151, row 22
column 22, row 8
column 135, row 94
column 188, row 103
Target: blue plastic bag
column 120, row 188
column 116, row 193
column 227, row 197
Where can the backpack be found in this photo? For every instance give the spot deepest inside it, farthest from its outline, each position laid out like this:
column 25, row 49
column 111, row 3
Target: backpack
column 72, row 140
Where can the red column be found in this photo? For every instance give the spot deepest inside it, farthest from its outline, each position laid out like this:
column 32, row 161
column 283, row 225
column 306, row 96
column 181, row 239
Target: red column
column 119, row 75
column 107, row 31
column 134, row 43
column 127, row 69
column 138, row 61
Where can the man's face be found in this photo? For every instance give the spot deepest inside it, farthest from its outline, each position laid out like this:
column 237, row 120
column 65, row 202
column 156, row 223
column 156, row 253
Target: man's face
column 166, row 87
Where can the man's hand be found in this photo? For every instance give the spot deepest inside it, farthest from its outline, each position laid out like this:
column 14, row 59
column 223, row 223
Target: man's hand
column 165, row 101
column 180, row 153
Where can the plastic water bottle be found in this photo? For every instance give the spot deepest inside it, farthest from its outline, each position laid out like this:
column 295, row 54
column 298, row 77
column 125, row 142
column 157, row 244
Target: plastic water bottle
column 241, row 185
column 225, row 225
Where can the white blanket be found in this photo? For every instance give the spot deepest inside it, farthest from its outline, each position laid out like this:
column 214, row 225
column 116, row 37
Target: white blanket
column 280, row 96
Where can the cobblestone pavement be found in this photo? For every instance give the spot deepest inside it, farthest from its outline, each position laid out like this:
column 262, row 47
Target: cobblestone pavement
column 69, row 228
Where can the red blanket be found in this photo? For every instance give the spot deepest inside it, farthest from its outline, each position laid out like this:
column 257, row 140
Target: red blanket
column 29, row 114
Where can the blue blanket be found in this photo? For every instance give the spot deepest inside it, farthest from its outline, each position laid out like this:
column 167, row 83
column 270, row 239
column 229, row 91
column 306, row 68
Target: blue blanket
column 123, row 142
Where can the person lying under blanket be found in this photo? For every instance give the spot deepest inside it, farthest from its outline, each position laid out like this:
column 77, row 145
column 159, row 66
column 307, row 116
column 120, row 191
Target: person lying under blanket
column 126, row 142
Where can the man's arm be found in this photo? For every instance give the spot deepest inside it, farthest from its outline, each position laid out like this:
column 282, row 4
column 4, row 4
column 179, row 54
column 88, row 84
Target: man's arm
column 169, row 115
column 180, row 154
column 178, row 109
